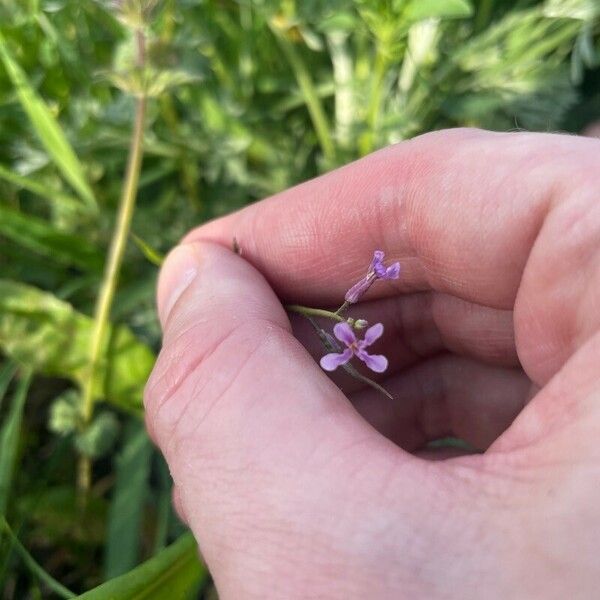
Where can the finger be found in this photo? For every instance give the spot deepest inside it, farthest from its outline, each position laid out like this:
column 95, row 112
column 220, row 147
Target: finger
column 419, row 326
column 562, row 419
column 227, row 316
column 246, row 418
column 461, row 210
column 453, row 206
column 446, row 396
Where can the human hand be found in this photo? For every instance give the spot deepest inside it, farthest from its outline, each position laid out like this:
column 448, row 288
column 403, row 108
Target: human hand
column 295, row 489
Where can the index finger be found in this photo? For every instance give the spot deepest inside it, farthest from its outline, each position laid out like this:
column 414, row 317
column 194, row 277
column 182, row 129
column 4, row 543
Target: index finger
column 459, row 208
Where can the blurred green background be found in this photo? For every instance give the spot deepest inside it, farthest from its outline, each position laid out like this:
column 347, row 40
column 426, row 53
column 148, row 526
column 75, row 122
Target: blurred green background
column 242, row 98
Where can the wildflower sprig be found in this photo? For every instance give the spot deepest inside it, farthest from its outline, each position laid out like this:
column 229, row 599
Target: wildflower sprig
column 344, row 344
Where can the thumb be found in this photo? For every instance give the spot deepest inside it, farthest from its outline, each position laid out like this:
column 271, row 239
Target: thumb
column 251, row 427
column 230, row 367
column 281, row 481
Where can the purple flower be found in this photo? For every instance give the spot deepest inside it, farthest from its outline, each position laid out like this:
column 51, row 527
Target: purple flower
column 354, row 347
column 376, row 271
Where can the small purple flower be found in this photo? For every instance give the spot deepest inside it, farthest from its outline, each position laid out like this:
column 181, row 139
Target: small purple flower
column 376, row 271
column 355, row 347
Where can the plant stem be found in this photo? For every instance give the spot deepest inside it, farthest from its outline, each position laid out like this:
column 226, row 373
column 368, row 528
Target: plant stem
column 113, row 266
column 373, row 110
column 311, row 97
column 314, row 312
column 33, row 566
column 342, row 308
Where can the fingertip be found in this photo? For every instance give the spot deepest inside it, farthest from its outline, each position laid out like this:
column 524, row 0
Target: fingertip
column 179, row 270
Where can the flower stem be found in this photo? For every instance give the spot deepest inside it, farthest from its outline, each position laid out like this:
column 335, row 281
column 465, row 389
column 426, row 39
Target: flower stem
column 113, row 266
column 315, row 312
column 342, row 308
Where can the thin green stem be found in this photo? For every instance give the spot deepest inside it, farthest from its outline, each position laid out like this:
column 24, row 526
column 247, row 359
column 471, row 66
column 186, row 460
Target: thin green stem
column 314, row 312
column 374, row 108
column 342, row 308
column 55, row 586
column 113, row 266
column 311, row 97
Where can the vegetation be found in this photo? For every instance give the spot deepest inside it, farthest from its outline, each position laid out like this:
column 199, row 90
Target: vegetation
column 228, row 101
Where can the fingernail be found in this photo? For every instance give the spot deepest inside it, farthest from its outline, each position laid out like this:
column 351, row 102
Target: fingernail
column 178, row 272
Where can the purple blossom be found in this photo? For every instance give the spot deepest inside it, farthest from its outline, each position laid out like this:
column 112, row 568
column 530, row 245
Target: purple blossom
column 377, row 270
column 355, row 347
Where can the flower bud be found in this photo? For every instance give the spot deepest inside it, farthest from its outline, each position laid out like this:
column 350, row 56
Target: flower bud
column 360, row 324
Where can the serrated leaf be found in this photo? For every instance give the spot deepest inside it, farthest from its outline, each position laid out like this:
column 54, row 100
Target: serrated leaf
column 47, row 128
column 419, row 10
column 39, row 330
column 175, row 572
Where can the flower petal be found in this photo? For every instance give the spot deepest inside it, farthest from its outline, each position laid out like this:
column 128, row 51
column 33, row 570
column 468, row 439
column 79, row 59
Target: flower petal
column 358, row 289
column 330, row 362
column 373, row 333
column 344, row 333
column 375, row 362
column 378, row 256
column 393, row 271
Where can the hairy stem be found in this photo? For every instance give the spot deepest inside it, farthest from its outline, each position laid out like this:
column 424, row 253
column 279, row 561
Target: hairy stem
column 113, row 266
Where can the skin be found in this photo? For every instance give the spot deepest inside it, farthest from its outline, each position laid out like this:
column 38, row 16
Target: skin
column 295, row 488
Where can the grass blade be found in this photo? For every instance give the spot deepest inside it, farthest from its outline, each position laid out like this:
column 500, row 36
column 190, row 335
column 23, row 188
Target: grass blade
column 7, row 372
column 173, row 573
column 127, row 506
column 34, row 567
column 153, row 256
column 9, row 439
column 40, row 236
column 47, row 128
column 40, row 189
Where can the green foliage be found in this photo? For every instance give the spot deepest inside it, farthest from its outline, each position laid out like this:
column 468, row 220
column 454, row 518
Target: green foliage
column 246, row 97
column 46, row 126
column 127, row 505
column 9, row 438
column 50, row 336
column 175, row 572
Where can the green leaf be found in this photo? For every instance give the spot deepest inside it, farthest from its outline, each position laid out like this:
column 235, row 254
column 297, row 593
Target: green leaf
column 40, row 236
column 41, row 189
column 418, row 10
column 153, row 256
column 65, row 413
column 122, row 546
column 10, row 433
column 46, row 127
column 175, row 572
column 7, row 372
column 585, row 10
column 39, row 330
column 99, row 436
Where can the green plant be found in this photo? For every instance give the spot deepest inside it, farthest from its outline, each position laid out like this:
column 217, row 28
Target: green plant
column 228, row 101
